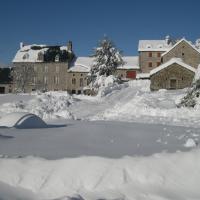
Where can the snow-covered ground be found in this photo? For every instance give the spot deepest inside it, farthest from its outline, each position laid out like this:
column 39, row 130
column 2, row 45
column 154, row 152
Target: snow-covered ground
column 125, row 143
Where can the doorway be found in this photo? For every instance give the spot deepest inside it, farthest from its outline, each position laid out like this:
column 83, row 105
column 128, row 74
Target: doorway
column 173, row 83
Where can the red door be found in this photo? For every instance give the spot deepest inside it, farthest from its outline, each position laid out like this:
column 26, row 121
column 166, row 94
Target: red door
column 131, row 74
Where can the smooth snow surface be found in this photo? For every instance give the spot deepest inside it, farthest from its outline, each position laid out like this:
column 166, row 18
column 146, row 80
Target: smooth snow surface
column 22, row 120
column 158, row 177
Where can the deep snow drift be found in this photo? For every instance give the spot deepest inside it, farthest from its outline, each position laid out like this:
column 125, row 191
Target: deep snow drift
column 158, row 177
column 132, row 101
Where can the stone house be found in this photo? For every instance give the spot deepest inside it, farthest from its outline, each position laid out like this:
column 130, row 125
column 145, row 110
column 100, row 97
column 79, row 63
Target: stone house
column 173, row 74
column 150, row 52
column 178, row 67
column 49, row 66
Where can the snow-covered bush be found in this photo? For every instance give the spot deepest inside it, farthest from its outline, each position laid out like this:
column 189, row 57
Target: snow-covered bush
column 192, row 97
column 46, row 105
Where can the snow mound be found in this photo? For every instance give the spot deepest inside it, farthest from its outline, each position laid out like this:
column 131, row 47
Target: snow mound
column 22, row 120
column 158, row 177
column 190, row 143
column 107, row 85
column 50, row 105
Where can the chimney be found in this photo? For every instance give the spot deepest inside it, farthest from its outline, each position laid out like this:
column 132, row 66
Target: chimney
column 69, row 46
column 21, row 45
column 168, row 39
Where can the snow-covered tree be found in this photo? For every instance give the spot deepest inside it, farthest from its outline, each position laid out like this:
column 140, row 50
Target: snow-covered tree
column 22, row 77
column 197, row 43
column 190, row 100
column 107, row 58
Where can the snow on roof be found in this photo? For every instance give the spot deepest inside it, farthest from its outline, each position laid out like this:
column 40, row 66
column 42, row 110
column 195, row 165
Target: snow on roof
column 183, row 39
column 22, row 120
column 153, row 45
column 84, row 64
column 170, row 62
column 29, row 53
column 131, row 62
column 142, row 75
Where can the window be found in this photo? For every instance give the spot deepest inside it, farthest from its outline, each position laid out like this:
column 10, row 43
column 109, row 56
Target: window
column 150, row 54
column 81, row 82
column 150, row 64
column 79, row 91
column 57, row 58
column 35, row 68
column 34, row 80
column 57, row 69
column 158, row 64
column 158, row 54
column 73, row 74
column 74, row 81
column 183, row 54
column 45, row 68
column 56, row 80
column 45, row 80
column 73, row 91
column 81, row 74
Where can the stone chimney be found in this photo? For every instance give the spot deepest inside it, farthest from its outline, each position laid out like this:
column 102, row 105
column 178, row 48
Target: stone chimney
column 69, row 46
column 21, row 45
column 167, row 39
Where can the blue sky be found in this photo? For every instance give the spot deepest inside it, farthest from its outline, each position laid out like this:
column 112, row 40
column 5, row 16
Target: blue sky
column 86, row 21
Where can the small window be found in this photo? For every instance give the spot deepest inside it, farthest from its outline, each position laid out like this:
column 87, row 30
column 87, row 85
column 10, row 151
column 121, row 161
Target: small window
column 74, row 81
column 158, row 64
column 150, row 64
column 183, row 54
column 57, row 58
column 150, row 54
column 122, row 75
column 73, row 91
column 81, row 82
column 56, row 80
column 57, row 69
column 79, row 91
column 182, row 78
column 35, row 68
column 81, row 74
column 45, row 68
column 45, row 80
column 73, row 74
column 158, row 54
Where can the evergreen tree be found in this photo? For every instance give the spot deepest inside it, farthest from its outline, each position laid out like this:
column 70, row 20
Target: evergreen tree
column 107, row 58
column 190, row 100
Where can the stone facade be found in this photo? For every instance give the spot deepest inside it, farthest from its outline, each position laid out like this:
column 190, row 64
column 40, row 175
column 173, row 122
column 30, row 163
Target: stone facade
column 172, row 77
column 76, row 82
column 149, row 60
column 186, row 52
column 47, row 76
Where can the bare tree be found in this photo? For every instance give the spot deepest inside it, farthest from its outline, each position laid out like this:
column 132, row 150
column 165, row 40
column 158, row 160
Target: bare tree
column 22, row 77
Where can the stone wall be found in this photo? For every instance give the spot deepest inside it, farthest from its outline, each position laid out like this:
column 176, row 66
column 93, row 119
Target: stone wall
column 47, row 76
column 168, row 76
column 145, row 59
column 184, row 51
column 76, row 82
